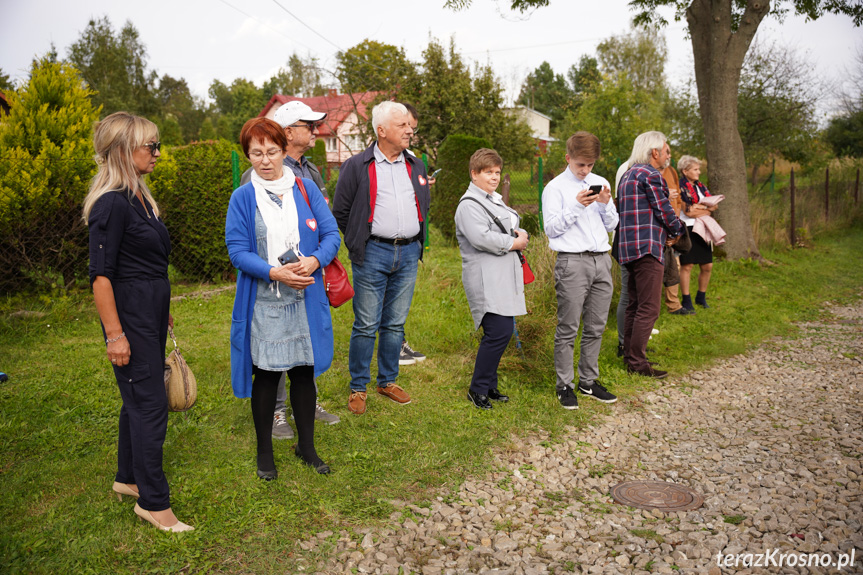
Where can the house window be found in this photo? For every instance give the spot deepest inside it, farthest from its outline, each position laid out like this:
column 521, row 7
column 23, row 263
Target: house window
column 332, row 145
column 354, row 142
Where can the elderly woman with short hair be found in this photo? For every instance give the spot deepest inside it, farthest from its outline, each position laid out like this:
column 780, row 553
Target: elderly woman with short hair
column 491, row 270
column 280, row 234
column 692, row 191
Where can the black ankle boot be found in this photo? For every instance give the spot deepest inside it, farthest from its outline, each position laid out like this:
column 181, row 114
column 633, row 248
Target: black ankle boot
column 701, row 299
column 686, row 301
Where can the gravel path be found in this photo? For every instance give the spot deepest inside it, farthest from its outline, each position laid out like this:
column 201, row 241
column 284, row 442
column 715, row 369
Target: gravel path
column 772, row 440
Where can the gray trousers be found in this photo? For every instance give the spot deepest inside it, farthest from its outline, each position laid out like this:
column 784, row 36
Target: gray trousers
column 622, row 303
column 282, row 394
column 584, row 289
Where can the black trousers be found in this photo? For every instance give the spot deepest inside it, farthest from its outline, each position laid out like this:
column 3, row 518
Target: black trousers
column 497, row 331
column 143, row 307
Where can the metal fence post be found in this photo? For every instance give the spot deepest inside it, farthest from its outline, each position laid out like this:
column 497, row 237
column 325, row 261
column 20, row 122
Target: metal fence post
column 235, row 168
column 826, row 194
column 540, row 181
column 793, row 223
column 856, row 186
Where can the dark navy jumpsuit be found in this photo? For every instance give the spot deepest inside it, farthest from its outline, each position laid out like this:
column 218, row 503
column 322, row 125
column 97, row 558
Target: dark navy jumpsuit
column 130, row 246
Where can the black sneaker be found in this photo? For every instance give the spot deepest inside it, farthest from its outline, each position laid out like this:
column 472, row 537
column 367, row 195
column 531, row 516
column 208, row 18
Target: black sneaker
column 406, row 349
column 480, row 401
column 406, row 355
column 620, row 350
column 683, row 311
column 495, row 395
column 567, row 399
column 598, row 392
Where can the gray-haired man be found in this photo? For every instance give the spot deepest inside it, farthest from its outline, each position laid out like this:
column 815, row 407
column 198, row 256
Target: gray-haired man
column 381, row 204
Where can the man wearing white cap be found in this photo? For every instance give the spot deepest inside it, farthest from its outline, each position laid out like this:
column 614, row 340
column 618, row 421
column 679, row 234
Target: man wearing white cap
column 300, row 123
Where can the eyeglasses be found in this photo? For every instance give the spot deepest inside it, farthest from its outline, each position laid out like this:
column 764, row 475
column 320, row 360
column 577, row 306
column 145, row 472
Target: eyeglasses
column 257, row 155
column 310, row 125
column 153, row 147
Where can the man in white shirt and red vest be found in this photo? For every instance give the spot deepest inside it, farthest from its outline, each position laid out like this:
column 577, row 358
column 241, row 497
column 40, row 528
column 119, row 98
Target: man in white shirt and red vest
column 381, row 205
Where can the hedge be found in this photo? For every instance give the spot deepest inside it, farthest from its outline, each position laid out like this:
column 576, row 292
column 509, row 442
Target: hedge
column 193, row 185
column 453, row 157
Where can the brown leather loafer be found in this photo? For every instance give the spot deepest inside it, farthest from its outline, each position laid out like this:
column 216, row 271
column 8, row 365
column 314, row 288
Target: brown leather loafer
column 357, row 402
column 395, row 393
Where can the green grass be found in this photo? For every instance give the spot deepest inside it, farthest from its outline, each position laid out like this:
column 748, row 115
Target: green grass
column 734, row 519
column 60, row 406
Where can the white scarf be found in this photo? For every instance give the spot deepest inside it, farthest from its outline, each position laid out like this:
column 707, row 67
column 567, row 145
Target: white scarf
column 282, row 224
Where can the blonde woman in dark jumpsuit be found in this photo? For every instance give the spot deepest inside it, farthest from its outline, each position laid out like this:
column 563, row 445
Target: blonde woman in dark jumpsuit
column 129, row 248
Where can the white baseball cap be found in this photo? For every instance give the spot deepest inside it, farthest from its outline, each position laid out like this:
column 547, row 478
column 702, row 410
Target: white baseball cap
column 294, row 111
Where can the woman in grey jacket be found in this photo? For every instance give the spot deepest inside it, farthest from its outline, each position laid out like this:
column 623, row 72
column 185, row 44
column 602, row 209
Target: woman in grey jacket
column 491, row 270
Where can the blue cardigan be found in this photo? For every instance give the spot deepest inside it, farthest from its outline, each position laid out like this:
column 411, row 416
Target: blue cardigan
column 319, row 237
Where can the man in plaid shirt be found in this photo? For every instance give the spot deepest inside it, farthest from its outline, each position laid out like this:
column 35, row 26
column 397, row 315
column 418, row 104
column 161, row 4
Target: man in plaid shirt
column 647, row 220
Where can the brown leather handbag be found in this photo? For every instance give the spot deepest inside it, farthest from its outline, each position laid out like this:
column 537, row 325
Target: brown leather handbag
column 181, row 386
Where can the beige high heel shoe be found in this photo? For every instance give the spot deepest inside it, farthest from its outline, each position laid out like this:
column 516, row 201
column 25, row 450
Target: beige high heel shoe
column 178, row 527
column 122, row 489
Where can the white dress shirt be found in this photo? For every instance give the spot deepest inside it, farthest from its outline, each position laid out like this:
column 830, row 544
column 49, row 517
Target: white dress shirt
column 570, row 226
column 396, row 204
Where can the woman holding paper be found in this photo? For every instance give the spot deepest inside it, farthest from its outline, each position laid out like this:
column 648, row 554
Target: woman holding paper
column 692, row 192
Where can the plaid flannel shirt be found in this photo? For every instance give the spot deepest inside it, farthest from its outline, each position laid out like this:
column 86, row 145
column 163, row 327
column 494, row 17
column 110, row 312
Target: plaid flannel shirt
column 646, row 215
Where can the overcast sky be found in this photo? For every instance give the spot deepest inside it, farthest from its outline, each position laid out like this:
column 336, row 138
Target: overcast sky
column 203, row 40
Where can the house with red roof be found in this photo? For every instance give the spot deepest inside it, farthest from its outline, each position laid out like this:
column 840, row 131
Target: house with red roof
column 341, row 129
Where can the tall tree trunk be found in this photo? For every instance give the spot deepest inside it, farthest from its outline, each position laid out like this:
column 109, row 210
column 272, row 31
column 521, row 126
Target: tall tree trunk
column 719, row 51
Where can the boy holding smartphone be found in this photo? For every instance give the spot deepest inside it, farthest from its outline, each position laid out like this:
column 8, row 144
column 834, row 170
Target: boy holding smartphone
column 578, row 216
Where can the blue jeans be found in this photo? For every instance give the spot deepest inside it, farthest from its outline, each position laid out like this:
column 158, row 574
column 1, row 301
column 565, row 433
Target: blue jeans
column 383, row 290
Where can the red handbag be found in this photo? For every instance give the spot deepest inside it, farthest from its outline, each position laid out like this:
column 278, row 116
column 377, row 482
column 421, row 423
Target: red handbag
column 525, row 270
column 336, row 282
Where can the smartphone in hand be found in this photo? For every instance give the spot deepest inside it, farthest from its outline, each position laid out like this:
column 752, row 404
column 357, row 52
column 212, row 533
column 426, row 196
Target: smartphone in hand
column 288, row 257
column 594, row 190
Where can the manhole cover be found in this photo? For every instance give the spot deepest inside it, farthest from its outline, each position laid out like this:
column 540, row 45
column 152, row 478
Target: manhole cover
column 656, row 495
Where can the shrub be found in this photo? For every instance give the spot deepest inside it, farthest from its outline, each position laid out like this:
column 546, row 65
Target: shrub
column 453, row 157
column 193, row 185
column 318, row 154
column 47, row 162
column 331, row 183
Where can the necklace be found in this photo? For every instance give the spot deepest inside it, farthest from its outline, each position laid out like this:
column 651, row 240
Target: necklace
column 146, row 211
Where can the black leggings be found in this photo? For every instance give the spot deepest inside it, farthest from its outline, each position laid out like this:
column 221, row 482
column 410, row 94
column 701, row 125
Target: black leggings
column 303, row 397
